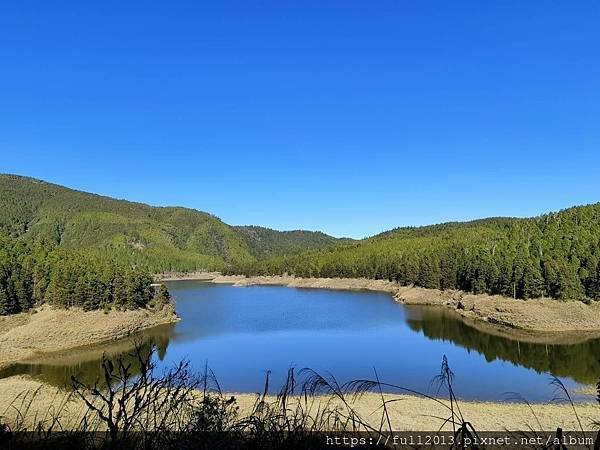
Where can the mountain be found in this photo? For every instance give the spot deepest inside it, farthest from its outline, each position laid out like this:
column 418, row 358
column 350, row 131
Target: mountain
column 162, row 238
column 266, row 243
column 554, row 255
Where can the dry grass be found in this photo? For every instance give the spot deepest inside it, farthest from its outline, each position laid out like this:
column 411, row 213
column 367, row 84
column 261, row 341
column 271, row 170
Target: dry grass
column 47, row 330
column 407, row 412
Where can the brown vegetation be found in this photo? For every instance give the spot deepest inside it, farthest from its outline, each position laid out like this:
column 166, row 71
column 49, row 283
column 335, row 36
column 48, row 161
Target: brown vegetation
column 47, row 329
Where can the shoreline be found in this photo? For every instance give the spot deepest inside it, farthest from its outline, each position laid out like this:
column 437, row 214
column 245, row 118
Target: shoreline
column 535, row 320
column 49, row 331
column 407, row 412
column 46, row 331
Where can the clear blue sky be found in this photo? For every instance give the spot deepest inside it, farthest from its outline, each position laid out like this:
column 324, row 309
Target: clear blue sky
column 343, row 116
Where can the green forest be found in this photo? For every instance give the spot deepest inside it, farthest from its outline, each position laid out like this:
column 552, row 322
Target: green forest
column 40, row 272
column 160, row 238
column 72, row 248
column 555, row 255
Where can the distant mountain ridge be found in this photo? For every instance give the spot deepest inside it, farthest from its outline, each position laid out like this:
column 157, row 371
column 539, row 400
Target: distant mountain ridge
column 266, row 243
column 162, row 238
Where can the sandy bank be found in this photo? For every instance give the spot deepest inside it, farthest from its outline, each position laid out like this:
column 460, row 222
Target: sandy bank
column 46, row 330
column 407, row 413
column 536, row 319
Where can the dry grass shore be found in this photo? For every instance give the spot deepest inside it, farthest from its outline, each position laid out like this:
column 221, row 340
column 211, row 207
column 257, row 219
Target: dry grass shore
column 48, row 330
column 536, row 319
column 407, row 412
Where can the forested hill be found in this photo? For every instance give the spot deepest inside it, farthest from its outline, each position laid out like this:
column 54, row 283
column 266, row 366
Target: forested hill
column 265, row 243
column 555, row 255
column 159, row 238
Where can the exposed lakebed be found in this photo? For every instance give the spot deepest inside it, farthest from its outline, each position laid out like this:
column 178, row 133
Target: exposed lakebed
column 241, row 332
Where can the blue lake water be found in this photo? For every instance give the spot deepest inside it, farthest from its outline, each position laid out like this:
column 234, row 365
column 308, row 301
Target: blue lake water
column 241, row 332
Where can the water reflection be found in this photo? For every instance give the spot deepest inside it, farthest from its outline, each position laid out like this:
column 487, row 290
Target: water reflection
column 245, row 331
column 86, row 363
column 578, row 361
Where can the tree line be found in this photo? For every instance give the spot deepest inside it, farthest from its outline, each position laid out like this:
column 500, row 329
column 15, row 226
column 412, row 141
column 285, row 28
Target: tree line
column 33, row 273
column 556, row 255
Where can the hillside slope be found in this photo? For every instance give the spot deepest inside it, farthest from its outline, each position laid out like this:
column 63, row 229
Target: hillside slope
column 265, row 242
column 554, row 255
column 162, row 238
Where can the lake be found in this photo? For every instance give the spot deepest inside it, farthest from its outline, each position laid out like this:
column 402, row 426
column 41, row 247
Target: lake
column 241, row 332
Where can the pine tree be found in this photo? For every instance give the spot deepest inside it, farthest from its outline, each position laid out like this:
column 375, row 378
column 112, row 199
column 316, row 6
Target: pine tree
column 532, row 282
column 429, row 274
column 7, row 304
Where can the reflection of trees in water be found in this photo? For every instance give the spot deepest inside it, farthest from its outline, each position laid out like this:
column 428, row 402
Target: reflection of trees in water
column 88, row 369
column 577, row 361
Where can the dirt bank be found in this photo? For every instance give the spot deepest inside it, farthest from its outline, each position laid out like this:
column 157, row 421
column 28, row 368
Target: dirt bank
column 407, row 413
column 536, row 319
column 316, row 283
column 47, row 330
